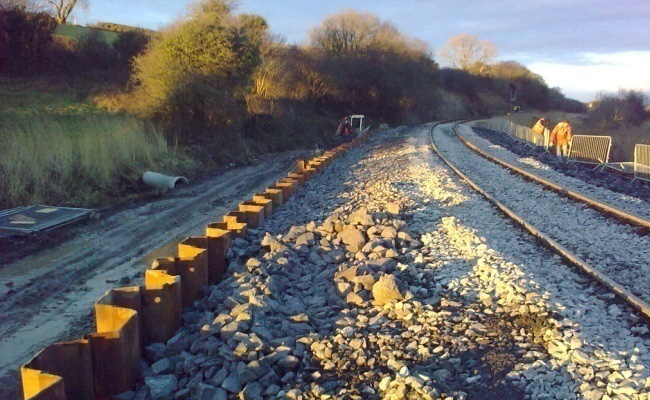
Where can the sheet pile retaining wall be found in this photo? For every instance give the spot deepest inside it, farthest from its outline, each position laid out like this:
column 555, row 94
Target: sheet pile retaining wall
column 107, row 362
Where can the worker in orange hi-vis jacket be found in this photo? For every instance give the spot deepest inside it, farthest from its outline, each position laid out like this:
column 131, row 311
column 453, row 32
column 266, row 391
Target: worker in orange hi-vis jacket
column 541, row 129
column 561, row 138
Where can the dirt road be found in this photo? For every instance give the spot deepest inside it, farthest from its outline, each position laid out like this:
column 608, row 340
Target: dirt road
column 49, row 296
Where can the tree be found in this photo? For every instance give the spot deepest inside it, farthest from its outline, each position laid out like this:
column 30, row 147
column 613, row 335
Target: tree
column 24, row 38
column 468, row 52
column 625, row 108
column 27, row 5
column 353, row 32
column 369, row 66
column 130, row 44
column 197, row 71
column 63, row 8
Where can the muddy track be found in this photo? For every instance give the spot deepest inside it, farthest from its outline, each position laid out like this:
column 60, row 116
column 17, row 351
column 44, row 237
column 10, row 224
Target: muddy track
column 51, row 293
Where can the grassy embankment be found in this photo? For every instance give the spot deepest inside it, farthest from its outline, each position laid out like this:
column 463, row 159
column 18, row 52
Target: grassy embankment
column 623, row 140
column 57, row 148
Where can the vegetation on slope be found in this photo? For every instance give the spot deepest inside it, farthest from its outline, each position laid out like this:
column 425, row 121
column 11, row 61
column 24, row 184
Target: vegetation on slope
column 58, row 149
column 218, row 86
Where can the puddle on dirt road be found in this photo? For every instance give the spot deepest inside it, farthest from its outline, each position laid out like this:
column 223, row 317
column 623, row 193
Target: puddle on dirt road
column 26, row 268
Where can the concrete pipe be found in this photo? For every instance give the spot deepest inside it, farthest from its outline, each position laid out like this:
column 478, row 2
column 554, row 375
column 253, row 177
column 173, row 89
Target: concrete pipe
column 162, row 182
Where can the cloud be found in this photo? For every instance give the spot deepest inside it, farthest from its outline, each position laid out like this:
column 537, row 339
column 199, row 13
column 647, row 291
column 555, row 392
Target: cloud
column 580, row 35
column 600, row 72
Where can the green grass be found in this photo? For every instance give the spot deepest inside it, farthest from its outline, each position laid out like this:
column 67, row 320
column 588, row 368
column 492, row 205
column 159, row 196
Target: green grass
column 77, row 32
column 57, row 148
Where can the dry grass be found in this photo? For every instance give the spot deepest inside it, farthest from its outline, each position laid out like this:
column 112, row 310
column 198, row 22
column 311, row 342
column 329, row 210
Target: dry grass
column 623, row 140
column 60, row 151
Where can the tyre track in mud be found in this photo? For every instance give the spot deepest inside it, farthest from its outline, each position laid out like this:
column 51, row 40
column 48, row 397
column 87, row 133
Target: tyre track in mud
column 52, row 292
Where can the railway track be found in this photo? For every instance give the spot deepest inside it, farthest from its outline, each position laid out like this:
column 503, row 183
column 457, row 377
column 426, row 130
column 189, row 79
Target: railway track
column 617, row 212
column 426, row 292
column 574, row 254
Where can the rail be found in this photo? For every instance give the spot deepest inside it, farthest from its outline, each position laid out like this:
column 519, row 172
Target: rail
column 620, row 291
column 623, row 215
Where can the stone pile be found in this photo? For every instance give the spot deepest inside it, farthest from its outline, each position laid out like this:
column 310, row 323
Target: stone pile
column 372, row 284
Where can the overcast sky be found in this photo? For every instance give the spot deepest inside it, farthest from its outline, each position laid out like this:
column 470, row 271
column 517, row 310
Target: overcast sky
column 583, row 46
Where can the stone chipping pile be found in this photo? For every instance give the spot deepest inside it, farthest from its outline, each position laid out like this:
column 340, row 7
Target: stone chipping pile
column 386, row 278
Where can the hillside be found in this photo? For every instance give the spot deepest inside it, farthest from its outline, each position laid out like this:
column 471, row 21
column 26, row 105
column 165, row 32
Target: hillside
column 216, row 88
column 77, row 32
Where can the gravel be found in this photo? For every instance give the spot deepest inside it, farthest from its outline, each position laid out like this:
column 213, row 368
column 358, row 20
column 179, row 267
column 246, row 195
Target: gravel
column 475, row 308
column 613, row 248
column 605, row 186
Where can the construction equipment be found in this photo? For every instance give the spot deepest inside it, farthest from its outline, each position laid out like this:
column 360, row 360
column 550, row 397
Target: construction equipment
column 347, row 126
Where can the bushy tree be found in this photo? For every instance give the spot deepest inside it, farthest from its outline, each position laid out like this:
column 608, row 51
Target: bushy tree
column 94, row 53
column 558, row 101
column 130, row 44
column 196, row 72
column 370, row 67
column 351, row 31
column 24, row 38
column 532, row 90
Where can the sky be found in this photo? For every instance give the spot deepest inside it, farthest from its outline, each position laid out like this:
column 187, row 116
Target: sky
column 582, row 46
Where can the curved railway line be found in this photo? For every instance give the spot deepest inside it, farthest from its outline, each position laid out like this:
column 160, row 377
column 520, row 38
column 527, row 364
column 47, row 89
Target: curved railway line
column 623, row 215
column 571, row 254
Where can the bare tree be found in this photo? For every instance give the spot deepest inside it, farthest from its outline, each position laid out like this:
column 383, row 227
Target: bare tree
column 468, row 52
column 352, row 32
column 63, row 8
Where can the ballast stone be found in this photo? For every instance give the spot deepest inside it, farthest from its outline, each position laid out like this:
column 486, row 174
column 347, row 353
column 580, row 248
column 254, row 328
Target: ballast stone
column 394, row 208
column 354, row 239
column 386, row 290
column 161, row 386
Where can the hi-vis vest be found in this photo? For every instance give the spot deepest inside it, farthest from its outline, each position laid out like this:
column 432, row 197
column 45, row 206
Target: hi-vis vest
column 561, row 135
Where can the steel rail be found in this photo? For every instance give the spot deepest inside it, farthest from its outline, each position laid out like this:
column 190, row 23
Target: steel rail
column 626, row 216
column 634, row 301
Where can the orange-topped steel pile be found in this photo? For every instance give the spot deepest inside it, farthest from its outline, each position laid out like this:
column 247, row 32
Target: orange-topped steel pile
column 107, row 362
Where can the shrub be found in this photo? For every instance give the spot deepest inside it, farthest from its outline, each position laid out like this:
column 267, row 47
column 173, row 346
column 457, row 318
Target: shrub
column 129, row 45
column 557, row 101
column 625, row 108
column 369, row 66
column 195, row 74
column 93, row 53
column 24, row 38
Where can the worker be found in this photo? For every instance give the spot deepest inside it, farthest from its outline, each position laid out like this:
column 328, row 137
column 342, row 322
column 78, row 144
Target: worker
column 561, row 138
column 541, row 129
column 345, row 127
